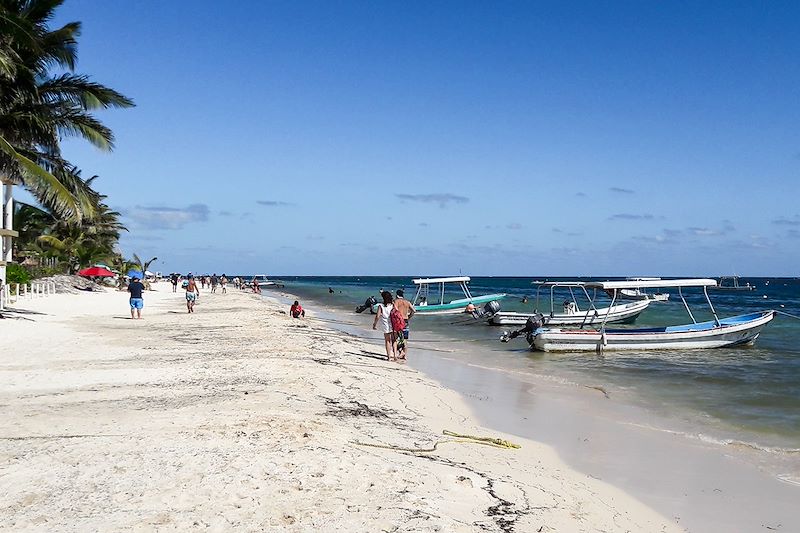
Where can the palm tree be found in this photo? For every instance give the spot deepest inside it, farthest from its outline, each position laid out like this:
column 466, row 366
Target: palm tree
column 143, row 265
column 75, row 248
column 39, row 107
column 78, row 243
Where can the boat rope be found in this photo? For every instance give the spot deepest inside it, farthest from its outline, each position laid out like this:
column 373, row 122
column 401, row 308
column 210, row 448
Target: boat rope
column 788, row 314
column 459, row 437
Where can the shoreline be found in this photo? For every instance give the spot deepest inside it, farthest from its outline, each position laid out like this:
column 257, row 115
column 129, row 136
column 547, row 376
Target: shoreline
column 237, row 417
column 702, row 484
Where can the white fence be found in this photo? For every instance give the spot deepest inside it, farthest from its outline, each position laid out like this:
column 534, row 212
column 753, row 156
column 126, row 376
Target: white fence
column 14, row 292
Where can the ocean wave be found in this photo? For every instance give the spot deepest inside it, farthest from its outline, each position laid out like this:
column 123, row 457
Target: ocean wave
column 717, row 441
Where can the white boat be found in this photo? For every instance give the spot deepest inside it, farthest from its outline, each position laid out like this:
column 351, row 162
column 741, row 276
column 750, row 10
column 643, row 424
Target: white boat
column 572, row 314
column 269, row 284
column 731, row 283
column 428, row 301
column 716, row 333
column 638, row 293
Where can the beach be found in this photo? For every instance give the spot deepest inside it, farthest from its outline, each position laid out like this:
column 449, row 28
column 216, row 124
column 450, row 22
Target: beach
column 239, row 418
column 632, row 431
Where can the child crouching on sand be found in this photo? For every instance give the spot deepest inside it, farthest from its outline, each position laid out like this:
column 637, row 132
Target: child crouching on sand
column 297, row 311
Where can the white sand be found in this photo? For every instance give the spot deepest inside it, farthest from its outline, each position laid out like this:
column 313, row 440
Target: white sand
column 239, row 418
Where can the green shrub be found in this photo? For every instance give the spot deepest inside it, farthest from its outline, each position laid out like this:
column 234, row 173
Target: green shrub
column 17, row 274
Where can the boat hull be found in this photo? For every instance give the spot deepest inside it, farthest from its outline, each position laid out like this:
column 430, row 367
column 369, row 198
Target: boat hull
column 619, row 313
column 739, row 330
column 271, row 285
column 456, row 306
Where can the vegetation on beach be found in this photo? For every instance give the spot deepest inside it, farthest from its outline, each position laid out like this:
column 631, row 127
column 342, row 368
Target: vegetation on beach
column 18, row 274
column 42, row 101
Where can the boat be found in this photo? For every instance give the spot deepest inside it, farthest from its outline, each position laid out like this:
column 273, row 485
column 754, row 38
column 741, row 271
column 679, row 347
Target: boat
column 428, row 301
column 639, row 293
column 731, row 283
column 717, row 333
column 270, row 284
column 571, row 314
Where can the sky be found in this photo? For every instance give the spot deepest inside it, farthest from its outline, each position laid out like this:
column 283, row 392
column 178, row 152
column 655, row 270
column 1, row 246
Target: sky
column 438, row 138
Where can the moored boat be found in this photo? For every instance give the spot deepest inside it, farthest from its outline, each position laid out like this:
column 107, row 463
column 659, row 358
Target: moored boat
column 638, row 293
column 731, row 283
column 571, row 313
column 431, row 297
column 269, row 283
column 732, row 331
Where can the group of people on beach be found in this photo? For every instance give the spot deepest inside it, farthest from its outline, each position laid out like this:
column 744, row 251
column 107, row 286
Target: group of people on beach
column 212, row 282
column 393, row 317
column 191, row 285
column 393, row 314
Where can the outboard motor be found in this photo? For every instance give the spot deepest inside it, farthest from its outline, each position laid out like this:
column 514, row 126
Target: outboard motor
column 488, row 309
column 533, row 323
column 368, row 303
column 491, row 308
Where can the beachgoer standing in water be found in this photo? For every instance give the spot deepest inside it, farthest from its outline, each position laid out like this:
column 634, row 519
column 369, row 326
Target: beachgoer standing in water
column 137, row 302
column 383, row 316
column 192, row 293
column 406, row 310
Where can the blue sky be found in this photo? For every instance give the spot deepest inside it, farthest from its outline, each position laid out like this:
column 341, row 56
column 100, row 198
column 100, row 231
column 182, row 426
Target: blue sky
column 412, row 138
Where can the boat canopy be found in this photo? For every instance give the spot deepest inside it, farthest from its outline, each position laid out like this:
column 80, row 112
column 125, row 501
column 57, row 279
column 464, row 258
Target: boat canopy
column 611, row 285
column 428, row 281
column 559, row 283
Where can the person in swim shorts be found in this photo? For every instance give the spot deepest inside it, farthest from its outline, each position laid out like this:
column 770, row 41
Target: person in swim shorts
column 192, row 292
column 407, row 310
column 136, row 289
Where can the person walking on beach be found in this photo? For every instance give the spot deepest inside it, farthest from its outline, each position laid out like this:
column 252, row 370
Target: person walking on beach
column 296, row 310
column 384, row 318
column 223, row 282
column 192, row 293
column 406, row 310
column 137, row 302
column 214, row 283
column 174, row 279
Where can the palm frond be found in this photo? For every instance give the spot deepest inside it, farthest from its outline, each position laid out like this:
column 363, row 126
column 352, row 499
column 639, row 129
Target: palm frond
column 80, row 91
column 43, row 182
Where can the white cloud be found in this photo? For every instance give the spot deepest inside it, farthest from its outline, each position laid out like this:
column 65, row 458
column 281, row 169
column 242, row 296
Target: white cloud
column 443, row 199
column 163, row 217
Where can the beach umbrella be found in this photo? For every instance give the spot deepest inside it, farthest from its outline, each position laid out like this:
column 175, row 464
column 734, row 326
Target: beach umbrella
column 96, row 272
column 135, row 274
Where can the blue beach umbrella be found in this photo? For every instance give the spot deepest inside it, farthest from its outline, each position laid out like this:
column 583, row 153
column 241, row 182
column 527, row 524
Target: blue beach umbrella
column 135, row 274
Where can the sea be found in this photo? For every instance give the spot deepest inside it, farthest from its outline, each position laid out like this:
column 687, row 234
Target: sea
column 746, row 396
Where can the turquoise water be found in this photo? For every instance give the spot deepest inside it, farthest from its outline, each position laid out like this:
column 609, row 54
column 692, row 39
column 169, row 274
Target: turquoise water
column 748, row 394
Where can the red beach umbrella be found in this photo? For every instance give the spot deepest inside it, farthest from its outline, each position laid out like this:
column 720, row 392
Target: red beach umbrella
column 96, row 272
